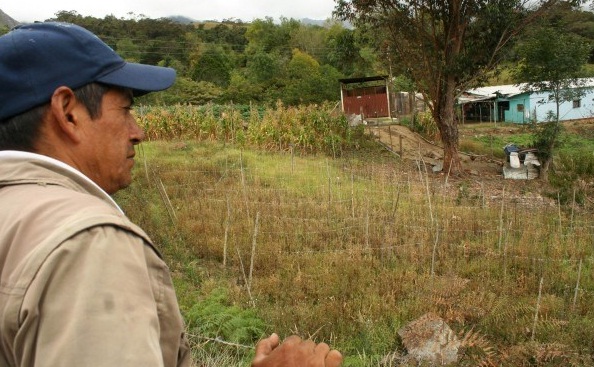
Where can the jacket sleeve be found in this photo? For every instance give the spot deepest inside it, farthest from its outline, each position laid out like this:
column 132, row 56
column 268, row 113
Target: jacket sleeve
column 93, row 303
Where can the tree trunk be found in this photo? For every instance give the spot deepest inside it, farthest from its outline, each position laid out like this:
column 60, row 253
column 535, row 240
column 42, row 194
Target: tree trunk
column 451, row 156
column 445, row 117
column 544, row 169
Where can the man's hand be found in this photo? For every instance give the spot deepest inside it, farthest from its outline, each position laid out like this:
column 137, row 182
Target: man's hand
column 294, row 352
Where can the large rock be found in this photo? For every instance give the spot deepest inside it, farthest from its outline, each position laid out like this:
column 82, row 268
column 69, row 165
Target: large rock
column 430, row 340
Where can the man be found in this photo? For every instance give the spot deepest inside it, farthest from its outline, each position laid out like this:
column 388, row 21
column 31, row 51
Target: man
column 81, row 285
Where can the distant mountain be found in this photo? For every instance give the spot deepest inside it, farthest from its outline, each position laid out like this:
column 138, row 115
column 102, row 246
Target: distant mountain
column 6, row 20
column 308, row 21
column 322, row 23
column 181, row 19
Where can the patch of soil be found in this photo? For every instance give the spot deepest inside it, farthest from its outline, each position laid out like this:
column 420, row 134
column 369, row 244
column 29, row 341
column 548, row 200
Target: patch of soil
column 412, row 146
column 484, row 175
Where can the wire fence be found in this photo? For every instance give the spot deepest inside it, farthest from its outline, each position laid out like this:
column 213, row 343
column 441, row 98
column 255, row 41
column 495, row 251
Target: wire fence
column 386, row 231
column 314, row 207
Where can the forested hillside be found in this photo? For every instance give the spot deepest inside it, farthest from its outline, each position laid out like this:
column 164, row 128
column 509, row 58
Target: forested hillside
column 259, row 62
column 264, row 61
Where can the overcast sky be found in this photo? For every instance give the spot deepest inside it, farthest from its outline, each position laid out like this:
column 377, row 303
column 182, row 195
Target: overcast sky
column 246, row 10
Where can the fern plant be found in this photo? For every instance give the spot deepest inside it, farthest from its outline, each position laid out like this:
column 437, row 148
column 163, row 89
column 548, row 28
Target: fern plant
column 214, row 318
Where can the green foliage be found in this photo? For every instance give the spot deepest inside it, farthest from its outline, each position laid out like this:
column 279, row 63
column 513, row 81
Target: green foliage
column 184, row 91
column 306, row 82
column 571, row 177
column 546, row 137
column 552, row 60
column 215, row 317
column 477, row 37
column 567, row 17
column 241, row 90
column 214, row 65
column 228, row 32
column 263, row 67
column 424, row 124
column 263, row 35
column 248, row 61
column 402, row 83
column 239, row 62
column 343, row 52
column 129, row 50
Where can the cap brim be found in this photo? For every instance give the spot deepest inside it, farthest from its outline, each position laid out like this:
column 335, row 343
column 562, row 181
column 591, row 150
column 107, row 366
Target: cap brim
column 140, row 78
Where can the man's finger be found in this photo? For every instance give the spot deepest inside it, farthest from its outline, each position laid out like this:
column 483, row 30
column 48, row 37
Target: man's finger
column 265, row 347
column 322, row 349
column 333, row 359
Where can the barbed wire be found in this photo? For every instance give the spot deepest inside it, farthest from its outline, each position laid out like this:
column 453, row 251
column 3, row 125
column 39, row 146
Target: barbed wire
column 219, row 341
column 495, row 229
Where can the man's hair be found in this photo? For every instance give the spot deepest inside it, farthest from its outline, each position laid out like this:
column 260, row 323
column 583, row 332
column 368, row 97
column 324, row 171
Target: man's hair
column 20, row 132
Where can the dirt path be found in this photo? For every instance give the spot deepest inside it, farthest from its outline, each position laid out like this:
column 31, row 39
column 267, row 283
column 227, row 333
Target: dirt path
column 411, row 146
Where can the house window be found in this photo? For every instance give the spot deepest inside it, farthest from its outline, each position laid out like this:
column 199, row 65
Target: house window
column 577, row 103
column 520, row 108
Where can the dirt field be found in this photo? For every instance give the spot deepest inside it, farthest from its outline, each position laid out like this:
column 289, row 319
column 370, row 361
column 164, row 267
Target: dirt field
column 411, row 146
column 484, row 175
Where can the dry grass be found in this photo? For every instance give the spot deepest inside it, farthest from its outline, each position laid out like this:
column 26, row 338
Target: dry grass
column 349, row 250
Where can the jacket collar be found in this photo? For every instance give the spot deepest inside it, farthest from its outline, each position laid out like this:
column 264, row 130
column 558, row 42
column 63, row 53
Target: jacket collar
column 23, row 167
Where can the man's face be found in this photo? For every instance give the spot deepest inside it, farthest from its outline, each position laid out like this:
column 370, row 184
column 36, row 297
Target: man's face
column 110, row 140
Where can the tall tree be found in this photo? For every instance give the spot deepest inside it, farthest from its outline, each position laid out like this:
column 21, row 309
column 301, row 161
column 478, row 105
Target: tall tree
column 264, row 35
column 214, row 65
column 307, row 82
column 446, row 46
column 551, row 61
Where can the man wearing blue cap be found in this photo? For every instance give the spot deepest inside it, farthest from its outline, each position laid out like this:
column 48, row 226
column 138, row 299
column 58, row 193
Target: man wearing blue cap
column 81, row 285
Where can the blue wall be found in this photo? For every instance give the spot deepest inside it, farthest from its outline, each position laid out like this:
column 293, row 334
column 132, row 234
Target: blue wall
column 536, row 107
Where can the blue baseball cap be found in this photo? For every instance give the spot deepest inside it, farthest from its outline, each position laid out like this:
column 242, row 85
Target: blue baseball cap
column 37, row 58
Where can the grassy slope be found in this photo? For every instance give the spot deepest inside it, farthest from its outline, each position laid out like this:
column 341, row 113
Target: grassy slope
column 349, row 250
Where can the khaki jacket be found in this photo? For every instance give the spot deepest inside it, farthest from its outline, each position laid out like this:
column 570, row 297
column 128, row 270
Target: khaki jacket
column 80, row 285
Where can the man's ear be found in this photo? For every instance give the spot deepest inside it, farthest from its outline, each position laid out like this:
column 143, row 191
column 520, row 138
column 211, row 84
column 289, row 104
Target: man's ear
column 66, row 110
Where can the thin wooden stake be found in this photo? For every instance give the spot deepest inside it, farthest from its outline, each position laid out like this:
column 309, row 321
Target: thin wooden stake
column 367, row 227
column 572, row 208
column 537, row 309
column 292, row 158
column 254, row 247
column 559, row 209
column 505, row 252
column 167, row 202
column 501, row 218
column 352, row 195
column 243, row 184
column 227, row 225
column 146, row 171
column 434, row 253
column 577, row 286
column 329, row 183
column 247, row 286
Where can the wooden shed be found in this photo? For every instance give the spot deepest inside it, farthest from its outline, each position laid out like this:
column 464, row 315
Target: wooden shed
column 367, row 96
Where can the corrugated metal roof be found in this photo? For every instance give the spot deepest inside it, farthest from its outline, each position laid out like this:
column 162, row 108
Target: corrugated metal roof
column 363, row 79
column 507, row 90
